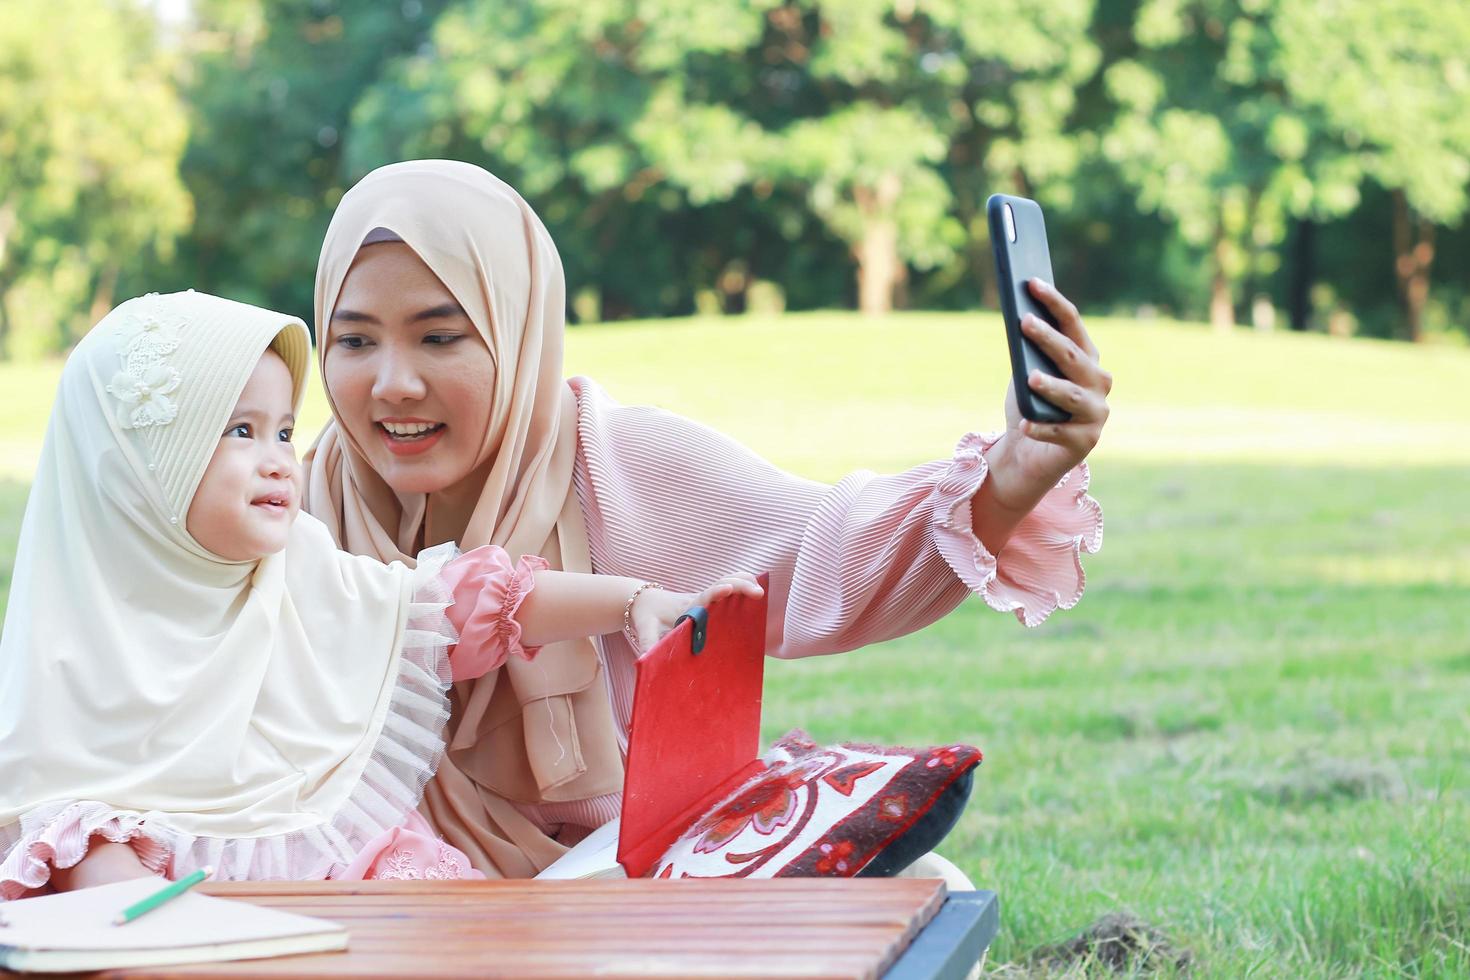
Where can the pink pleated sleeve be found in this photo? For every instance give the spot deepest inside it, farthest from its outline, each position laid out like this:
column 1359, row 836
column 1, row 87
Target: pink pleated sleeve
column 867, row 559
column 488, row 589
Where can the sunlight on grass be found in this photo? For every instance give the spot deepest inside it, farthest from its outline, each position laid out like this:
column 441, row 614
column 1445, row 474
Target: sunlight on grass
column 822, row 393
column 1394, row 569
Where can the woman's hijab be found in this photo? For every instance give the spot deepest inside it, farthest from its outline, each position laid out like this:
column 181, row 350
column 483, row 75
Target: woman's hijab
column 530, row 732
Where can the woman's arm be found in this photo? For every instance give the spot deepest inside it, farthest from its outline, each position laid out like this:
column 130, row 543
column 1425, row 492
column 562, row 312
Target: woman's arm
column 105, row 863
column 867, row 559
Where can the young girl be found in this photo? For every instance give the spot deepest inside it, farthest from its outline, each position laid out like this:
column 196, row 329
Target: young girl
column 192, row 674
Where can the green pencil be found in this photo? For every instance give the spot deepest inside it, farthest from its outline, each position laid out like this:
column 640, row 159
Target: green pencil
column 162, row 895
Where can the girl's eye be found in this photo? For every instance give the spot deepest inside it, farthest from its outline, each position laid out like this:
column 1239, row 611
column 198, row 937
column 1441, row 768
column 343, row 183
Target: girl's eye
column 442, row 339
column 352, row 341
column 241, row 431
column 285, row 435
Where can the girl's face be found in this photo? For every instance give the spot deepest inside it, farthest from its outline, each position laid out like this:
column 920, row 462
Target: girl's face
column 409, row 374
column 251, row 491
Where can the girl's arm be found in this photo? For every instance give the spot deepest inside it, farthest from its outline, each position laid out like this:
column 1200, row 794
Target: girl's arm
column 106, row 862
column 504, row 608
column 569, row 605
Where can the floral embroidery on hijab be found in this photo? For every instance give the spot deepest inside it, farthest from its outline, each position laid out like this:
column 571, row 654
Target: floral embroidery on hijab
column 146, row 380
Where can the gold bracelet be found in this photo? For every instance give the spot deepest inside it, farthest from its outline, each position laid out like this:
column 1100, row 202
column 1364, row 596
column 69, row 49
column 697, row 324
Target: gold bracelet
column 628, row 631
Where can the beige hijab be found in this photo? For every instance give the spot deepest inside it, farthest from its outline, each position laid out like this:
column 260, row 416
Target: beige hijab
column 144, row 678
column 531, row 732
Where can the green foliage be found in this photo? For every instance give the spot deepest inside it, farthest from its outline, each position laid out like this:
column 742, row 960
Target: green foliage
column 1390, row 80
column 618, row 113
column 689, row 154
column 847, row 158
column 1238, row 115
column 271, row 89
column 91, row 132
column 1210, row 134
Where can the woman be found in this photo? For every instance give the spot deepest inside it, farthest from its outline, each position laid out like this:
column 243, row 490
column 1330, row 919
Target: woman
column 439, row 311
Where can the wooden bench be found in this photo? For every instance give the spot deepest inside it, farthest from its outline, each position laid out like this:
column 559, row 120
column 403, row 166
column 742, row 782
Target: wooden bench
column 899, row 929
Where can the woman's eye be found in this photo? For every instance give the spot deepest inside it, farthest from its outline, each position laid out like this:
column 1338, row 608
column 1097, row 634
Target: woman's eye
column 442, row 339
column 285, row 435
column 352, row 341
column 241, row 431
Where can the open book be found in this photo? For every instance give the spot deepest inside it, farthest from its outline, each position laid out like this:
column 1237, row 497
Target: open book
column 694, row 737
column 595, row 856
column 73, row 931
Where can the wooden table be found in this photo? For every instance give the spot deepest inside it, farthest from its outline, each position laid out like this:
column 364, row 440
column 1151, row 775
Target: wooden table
column 727, row 928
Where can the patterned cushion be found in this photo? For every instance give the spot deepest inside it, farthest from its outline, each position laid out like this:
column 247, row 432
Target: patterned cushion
column 828, row 811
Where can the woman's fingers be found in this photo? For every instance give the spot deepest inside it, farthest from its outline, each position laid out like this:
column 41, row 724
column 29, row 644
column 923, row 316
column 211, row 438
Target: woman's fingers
column 1077, row 438
column 1077, row 364
column 741, row 582
column 1069, row 320
column 1084, row 405
column 1055, row 433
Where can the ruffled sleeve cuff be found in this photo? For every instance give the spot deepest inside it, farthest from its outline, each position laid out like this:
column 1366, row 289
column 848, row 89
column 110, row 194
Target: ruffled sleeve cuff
column 404, row 758
column 488, row 589
column 1040, row 568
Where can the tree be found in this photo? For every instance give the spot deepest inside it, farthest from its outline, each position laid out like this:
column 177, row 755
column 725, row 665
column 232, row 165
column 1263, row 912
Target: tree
column 271, row 87
column 599, row 113
column 615, row 115
column 1391, row 80
column 1209, row 135
column 91, row 133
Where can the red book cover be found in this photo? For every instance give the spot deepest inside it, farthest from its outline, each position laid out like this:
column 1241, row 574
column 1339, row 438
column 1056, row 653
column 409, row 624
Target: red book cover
column 695, row 732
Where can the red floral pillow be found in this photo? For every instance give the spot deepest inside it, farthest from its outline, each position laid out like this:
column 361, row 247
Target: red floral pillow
column 826, row 811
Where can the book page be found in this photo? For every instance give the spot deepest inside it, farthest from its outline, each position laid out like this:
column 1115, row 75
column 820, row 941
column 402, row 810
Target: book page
column 595, row 856
column 82, row 920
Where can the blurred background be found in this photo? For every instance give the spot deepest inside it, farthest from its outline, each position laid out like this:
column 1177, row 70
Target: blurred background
column 1246, row 752
column 1289, row 164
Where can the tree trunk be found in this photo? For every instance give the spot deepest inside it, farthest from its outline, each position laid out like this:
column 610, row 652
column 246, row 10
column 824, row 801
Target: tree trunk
column 4, row 322
column 1222, row 305
column 1301, row 270
column 102, row 294
column 8, row 221
column 1413, row 248
column 879, row 268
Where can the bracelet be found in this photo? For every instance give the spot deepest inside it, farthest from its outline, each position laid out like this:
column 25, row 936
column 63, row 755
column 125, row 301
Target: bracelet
column 628, row 631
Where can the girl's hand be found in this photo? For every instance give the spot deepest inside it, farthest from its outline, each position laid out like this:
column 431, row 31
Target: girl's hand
column 1038, row 454
column 655, row 610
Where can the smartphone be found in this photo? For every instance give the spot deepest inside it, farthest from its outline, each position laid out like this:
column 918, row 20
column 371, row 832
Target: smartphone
column 1018, row 236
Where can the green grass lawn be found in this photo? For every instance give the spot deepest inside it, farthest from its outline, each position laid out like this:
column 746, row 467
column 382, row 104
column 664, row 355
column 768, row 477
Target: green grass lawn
column 1254, row 731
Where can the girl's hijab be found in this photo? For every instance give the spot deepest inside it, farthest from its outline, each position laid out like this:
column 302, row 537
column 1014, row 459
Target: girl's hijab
column 530, row 732
column 254, row 715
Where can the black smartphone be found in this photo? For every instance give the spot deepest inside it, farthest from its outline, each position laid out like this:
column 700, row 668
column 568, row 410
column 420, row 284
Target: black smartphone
column 1018, row 236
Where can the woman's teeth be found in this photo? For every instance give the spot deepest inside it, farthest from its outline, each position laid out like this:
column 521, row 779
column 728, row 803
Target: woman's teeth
column 409, row 430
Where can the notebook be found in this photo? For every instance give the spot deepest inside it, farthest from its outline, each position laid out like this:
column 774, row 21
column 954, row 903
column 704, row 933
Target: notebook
column 694, row 736
column 73, row 931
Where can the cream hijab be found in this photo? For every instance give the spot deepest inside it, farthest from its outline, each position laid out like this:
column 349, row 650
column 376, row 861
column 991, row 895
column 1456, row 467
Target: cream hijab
column 531, row 732
column 143, row 676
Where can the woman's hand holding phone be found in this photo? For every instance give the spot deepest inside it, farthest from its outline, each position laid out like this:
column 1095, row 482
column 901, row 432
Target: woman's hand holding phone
column 1083, row 392
column 1032, row 456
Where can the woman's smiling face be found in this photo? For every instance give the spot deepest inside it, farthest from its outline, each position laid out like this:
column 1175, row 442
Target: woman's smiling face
column 410, row 376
